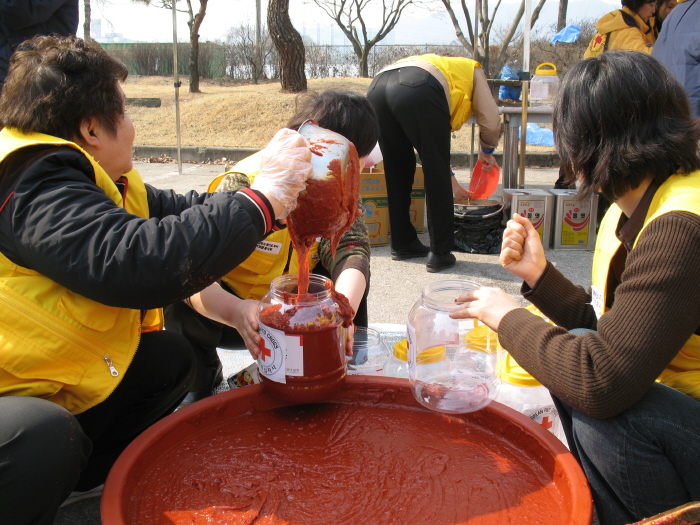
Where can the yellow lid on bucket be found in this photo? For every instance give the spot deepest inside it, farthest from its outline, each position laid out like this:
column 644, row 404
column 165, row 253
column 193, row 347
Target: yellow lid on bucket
column 511, row 372
column 540, row 71
column 431, row 355
column 481, row 338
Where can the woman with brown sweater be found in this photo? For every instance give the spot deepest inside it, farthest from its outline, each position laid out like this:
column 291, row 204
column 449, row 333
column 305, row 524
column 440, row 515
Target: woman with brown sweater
column 627, row 386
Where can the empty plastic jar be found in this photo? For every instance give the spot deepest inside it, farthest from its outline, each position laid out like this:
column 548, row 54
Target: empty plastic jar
column 369, row 353
column 522, row 392
column 446, row 373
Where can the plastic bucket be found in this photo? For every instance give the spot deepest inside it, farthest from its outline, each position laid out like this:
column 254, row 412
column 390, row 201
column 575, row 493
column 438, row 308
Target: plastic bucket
column 368, row 453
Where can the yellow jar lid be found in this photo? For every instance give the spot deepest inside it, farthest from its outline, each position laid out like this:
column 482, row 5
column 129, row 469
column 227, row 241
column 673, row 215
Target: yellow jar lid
column 431, row 355
column 481, row 338
column 541, row 71
column 511, row 372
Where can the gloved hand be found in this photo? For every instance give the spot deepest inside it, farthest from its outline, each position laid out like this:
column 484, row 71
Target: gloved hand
column 284, row 167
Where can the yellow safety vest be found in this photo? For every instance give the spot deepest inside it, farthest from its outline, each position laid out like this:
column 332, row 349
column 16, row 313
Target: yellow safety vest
column 678, row 193
column 459, row 73
column 56, row 344
column 272, row 257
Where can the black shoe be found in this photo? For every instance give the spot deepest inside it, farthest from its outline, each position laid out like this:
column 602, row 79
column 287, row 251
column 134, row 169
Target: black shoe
column 412, row 251
column 212, row 378
column 440, row 261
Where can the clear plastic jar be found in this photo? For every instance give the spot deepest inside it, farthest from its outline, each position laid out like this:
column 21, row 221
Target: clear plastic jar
column 303, row 357
column 368, row 353
column 446, row 373
column 397, row 363
column 522, row 392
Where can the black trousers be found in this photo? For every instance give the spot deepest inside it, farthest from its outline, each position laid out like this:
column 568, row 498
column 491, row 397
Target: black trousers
column 413, row 113
column 206, row 335
column 45, row 452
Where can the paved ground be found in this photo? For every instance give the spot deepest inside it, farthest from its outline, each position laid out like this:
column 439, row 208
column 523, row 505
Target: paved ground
column 395, row 286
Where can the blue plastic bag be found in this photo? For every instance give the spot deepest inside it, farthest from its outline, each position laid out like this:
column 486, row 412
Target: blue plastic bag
column 568, row 35
column 509, row 92
column 537, row 136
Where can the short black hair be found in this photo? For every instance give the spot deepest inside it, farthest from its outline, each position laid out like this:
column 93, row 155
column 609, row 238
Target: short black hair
column 54, row 83
column 619, row 118
column 634, row 5
column 345, row 112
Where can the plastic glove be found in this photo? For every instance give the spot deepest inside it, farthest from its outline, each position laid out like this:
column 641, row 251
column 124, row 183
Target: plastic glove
column 284, row 168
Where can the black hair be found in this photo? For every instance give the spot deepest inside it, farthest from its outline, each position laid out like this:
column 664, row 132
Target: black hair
column 344, row 112
column 634, row 5
column 619, row 118
column 54, row 83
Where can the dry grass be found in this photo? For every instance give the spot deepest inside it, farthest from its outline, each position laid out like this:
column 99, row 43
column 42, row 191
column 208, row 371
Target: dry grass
column 231, row 115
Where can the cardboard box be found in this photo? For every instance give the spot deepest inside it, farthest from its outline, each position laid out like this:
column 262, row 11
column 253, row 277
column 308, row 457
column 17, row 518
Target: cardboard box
column 418, row 178
column 376, row 216
column 372, row 182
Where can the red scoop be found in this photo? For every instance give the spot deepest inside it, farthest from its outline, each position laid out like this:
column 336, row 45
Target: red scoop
column 484, row 183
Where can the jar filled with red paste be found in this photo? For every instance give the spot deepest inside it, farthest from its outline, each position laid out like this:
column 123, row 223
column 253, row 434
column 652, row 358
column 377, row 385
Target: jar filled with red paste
column 303, row 358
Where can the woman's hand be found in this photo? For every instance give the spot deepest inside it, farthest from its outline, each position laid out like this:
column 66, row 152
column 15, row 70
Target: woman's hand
column 243, row 317
column 488, row 161
column 223, row 307
column 522, row 253
column 460, row 194
column 488, row 305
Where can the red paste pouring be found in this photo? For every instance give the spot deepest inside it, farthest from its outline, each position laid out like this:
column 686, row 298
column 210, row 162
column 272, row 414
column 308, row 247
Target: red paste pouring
column 329, row 204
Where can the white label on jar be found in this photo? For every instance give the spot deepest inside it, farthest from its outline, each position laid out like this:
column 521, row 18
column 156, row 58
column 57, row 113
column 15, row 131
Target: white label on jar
column 294, row 358
column 271, row 361
column 546, row 416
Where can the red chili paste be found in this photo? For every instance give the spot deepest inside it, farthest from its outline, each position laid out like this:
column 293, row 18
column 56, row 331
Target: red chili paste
column 326, row 208
column 351, row 463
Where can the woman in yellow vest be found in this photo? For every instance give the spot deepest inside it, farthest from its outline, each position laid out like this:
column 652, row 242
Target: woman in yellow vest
column 224, row 315
column 88, row 255
column 623, row 362
column 630, row 29
column 420, row 101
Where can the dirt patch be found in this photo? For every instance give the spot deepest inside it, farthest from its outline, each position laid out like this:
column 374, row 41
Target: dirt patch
column 244, row 116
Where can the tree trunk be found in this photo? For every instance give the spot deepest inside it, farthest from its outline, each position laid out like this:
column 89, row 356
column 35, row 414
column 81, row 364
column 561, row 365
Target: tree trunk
column 194, row 24
column 289, row 46
column 86, row 23
column 561, row 19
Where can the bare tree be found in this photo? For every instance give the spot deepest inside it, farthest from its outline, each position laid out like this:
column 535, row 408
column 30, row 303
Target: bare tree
column 289, row 46
column 245, row 54
column 194, row 22
column 486, row 26
column 348, row 14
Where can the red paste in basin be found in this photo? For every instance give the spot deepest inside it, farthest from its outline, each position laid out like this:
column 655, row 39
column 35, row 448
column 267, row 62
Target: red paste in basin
column 370, row 457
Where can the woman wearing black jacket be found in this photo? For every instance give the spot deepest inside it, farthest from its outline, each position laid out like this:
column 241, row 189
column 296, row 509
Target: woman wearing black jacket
column 88, row 256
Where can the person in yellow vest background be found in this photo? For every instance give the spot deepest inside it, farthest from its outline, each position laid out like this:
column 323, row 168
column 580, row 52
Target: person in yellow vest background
column 623, row 361
column 630, row 29
column 225, row 314
column 420, row 101
column 89, row 254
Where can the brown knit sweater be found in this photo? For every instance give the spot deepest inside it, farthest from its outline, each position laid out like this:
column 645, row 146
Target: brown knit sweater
column 656, row 308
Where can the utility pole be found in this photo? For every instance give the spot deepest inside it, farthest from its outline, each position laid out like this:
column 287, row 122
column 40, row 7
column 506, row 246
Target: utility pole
column 177, row 85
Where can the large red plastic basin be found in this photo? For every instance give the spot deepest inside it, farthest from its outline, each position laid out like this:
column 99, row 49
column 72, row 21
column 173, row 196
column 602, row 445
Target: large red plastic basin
column 370, row 455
